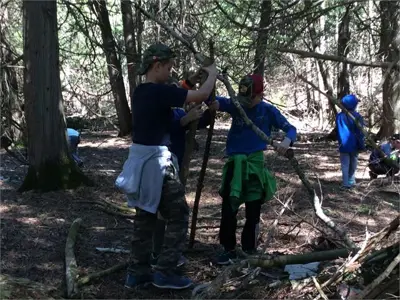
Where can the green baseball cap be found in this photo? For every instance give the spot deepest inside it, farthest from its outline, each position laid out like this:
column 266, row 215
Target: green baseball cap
column 155, row 53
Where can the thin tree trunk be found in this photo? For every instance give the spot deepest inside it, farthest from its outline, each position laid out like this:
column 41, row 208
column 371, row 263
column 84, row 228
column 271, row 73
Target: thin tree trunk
column 139, row 25
column 318, row 45
column 130, row 43
column 343, row 84
column 50, row 165
column 262, row 38
column 389, row 48
column 114, row 67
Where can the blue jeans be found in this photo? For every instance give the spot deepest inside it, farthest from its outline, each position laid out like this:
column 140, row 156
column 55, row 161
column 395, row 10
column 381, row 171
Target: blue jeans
column 73, row 148
column 349, row 165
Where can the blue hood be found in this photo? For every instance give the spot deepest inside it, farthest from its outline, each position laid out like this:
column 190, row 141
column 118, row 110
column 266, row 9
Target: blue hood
column 350, row 102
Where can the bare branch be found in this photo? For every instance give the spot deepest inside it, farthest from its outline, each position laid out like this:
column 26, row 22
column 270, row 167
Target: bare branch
column 316, row 55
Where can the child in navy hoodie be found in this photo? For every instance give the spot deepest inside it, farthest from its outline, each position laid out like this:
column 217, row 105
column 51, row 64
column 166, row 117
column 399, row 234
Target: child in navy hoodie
column 351, row 140
column 245, row 179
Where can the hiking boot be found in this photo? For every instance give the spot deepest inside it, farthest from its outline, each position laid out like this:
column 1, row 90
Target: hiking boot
column 169, row 280
column 226, row 258
column 134, row 280
column 153, row 261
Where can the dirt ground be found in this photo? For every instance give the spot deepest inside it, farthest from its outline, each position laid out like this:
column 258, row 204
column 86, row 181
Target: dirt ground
column 34, row 226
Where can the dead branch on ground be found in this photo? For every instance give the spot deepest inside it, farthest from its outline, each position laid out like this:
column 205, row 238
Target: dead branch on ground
column 71, row 267
column 373, row 285
column 112, row 209
column 91, row 277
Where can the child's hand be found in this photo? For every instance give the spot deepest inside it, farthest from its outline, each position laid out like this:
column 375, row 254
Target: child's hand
column 211, row 69
column 194, row 114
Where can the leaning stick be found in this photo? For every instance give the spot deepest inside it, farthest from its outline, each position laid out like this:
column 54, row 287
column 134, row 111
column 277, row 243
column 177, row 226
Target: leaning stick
column 289, row 154
column 203, row 169
column 334, row 101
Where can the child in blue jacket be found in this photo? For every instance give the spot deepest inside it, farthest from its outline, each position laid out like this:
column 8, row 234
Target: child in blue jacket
column 245, row 179
column 351, row 140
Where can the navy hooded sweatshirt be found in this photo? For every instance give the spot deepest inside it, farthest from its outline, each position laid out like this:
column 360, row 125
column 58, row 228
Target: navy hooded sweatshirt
column 350, row 137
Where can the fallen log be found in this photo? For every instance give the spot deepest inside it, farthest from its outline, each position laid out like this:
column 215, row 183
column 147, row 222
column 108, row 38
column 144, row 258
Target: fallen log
column 71, row 267
column 299, row 258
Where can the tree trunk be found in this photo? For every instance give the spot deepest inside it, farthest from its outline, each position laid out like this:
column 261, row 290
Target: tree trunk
column 318, row 45
column 262, row 38
column 130, row 43
column 343, row 85
column 50, row 165
column 114, row 67
column 139, row 25
column 389, row 49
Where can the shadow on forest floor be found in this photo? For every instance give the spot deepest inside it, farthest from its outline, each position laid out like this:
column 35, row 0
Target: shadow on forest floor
column 34, row 226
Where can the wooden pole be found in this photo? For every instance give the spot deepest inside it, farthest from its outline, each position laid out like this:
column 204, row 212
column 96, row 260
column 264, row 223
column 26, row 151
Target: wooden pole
column 203, row 169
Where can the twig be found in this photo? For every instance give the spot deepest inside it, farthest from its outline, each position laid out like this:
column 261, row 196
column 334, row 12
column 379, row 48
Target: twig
column 320, row 214
column 71, row 268
column 89, row 278
column 113, row 250
column 104, row 208
column 380, row 278
column 318, row 287
column 271, row 231
column 108, row 228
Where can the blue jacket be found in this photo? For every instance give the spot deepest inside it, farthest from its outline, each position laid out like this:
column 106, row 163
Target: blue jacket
column 350, row 138
column 241, row 138
column 178, row 133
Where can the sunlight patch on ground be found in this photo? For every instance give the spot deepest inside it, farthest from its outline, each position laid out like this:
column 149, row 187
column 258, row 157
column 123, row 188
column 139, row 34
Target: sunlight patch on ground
column 104, row 143
column 4, row 208
column 29, row 221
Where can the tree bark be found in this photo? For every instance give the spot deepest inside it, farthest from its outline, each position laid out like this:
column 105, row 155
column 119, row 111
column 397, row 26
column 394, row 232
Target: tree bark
column 99, row 7
column 130, row 43
column 319, row 44
column 262, row 38
column 343, row 84
column 389, row 49
column 50, row 164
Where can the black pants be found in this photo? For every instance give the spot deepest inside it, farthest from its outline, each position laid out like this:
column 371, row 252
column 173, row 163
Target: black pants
column 383, row 169
column 227, row 232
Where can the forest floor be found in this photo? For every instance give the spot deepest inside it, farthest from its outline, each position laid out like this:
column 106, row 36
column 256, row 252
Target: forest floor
column 34, row 226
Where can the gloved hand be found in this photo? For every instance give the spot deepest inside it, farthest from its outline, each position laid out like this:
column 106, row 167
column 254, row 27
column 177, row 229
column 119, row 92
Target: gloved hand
column 283, row 146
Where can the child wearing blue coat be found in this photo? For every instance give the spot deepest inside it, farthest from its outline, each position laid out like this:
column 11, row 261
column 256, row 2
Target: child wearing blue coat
column 245, row 179
column 351, row 140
